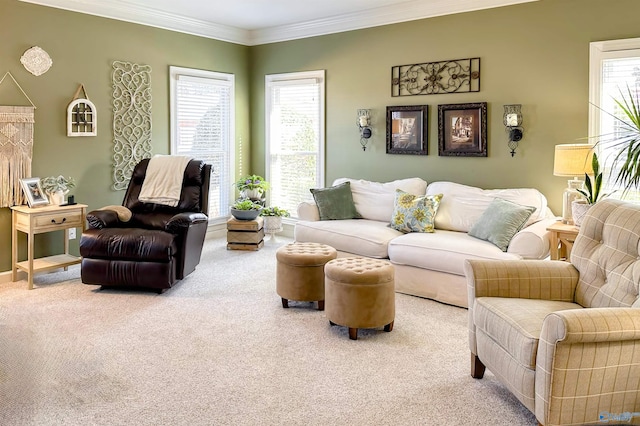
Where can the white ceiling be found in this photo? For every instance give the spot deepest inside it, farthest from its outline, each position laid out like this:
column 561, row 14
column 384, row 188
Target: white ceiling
column 252, row 22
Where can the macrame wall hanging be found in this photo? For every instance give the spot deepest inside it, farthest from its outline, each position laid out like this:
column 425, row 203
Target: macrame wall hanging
column 16, row 148
column 131, row 119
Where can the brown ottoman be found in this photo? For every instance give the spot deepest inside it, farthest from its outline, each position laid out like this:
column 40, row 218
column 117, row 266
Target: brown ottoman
column 300, row 272
column 360, row 293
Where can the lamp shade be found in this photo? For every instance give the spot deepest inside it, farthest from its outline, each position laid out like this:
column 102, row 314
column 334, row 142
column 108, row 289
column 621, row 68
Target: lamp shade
column 573, row 160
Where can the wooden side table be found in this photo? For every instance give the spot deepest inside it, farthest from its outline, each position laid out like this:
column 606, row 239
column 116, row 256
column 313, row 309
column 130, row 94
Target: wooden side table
column 245, row 234
column 562, row 238
column 40, row 220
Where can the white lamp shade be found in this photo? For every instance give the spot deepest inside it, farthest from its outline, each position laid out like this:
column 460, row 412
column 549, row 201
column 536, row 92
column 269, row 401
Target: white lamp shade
column 573, row 160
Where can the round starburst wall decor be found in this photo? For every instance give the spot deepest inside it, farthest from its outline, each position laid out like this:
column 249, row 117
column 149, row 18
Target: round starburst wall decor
column 36, row 60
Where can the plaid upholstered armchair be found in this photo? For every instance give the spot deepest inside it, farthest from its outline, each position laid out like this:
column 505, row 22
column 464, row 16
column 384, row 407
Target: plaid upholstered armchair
column 564, row 337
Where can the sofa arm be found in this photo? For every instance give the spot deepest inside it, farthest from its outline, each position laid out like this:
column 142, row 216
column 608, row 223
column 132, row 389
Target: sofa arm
column 531, row 279
column 584, row 354
column 99, row 219
column 308, row 210
column 182, row 221
column 534, row 241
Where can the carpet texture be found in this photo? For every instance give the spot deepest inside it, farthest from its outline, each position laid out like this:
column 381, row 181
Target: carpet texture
column 219, row 349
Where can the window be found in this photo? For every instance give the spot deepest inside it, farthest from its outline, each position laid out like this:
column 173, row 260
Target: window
column 202, row 126
column 294, row 137
column 614, row 69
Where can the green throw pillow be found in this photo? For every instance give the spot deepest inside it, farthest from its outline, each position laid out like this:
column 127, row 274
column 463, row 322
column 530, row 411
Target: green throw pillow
column 414, row 213
column 336, row 202
column 500, row 222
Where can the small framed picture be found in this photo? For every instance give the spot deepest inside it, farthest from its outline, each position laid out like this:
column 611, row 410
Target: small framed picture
column 407, row 130
column 33, row 191
column 462, row 130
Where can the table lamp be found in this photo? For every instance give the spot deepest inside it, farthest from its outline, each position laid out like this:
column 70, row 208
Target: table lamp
column 572, row 160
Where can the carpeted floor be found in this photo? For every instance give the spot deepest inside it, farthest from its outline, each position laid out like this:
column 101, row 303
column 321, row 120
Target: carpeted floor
column 219, row 349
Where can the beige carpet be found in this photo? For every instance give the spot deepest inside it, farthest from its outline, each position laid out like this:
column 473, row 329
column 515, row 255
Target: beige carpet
column 219, row 349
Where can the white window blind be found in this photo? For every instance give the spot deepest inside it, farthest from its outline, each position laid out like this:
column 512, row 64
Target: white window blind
column 295, row 137
column 203, row 127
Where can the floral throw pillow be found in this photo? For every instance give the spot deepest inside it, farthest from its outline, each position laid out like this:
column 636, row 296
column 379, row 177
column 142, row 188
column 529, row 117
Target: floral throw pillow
column 414, row 213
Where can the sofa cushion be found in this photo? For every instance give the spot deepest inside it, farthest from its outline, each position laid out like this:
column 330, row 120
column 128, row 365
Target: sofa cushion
column 515, row 324
column 443, row 251
column 335, row 203
column 462, row 205
column 500, row 222
column 374, row 200
column 414, row 213
column 358, row 236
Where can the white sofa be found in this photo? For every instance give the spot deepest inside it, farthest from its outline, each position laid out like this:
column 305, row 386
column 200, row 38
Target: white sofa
column 427, row 264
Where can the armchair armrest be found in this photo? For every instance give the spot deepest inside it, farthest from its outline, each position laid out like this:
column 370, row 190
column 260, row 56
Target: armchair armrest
column 531, row 279
column 594, row 347
column 100, row 219
column 183, row 221
column 308, row 210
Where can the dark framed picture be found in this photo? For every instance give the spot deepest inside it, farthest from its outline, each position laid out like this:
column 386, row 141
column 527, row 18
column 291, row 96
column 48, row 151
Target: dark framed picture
column 33, row 191
column 407, row 129
column 462, row 130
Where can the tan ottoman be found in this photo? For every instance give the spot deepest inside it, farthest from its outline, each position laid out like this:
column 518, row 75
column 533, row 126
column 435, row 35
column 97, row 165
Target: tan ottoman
column 360, row 293
column 300, row 272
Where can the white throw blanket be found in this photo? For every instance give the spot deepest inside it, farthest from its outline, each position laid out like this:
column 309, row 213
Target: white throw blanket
column 163, row 181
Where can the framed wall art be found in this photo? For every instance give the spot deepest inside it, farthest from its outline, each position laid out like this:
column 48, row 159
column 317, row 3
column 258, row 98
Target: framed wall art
column 33, row 191
column 462, row 130
column 407, row 130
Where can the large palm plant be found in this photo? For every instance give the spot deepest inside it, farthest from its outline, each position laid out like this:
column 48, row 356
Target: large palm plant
column 626, row 143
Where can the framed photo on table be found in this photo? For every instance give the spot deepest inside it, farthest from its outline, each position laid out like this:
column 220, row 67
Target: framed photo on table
column 407, row 129
column 33, row 191
column 462, row 130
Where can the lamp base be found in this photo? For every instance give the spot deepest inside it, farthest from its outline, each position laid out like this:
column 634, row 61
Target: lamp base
column 568, row 196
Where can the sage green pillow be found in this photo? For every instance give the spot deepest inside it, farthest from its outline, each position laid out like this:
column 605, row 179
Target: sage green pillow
column 500, row 222
column 414, row 213
column 336, row 202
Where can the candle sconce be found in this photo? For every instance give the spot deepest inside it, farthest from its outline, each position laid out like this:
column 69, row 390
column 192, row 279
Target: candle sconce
column 364, row 126
column 513, row 125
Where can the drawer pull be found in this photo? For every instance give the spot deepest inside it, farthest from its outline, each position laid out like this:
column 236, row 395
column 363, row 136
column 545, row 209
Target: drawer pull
column 64, row 219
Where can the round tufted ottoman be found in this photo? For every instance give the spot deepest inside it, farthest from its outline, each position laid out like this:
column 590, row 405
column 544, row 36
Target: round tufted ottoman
column 300, row 272
column 360, row 293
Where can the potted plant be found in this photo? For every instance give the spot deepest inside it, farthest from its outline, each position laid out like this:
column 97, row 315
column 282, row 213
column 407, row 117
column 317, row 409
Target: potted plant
column 626, row 143
column 252, row 187
column 57, row 187
column 273, row 219
column 591, row 192
column 245, row 210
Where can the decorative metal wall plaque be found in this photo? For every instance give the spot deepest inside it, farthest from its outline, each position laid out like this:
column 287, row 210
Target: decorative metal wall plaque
column 131, row 119
column 433, row 78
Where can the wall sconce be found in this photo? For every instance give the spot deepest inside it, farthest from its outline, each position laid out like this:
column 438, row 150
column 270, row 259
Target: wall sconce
column 364, row 125
column 513, row 123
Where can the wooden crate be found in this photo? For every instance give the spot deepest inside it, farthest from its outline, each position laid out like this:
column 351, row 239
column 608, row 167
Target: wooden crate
column 245, row 234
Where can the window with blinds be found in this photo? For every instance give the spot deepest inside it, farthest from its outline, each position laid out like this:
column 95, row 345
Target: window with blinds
column 294, row 137
column 202, row 126
column 615, row 71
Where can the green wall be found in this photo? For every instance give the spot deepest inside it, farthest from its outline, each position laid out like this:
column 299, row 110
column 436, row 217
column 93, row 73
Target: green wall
column 83, row 48
column 535, row 54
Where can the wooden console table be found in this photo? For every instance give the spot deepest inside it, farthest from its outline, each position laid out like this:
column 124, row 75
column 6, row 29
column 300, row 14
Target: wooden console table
column 40, row 220
column 562, row 238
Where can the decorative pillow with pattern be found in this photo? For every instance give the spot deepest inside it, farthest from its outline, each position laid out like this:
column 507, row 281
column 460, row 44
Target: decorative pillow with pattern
column 414, row 213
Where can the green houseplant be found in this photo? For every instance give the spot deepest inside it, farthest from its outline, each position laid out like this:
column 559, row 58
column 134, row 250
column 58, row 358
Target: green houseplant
column 591, row 192
column 273, row 219
column 252, row 186
column 626, row 142
column 245, row 210
column 57, row 187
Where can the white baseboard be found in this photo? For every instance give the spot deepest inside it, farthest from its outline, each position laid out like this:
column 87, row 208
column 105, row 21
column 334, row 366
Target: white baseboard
column 5, row 277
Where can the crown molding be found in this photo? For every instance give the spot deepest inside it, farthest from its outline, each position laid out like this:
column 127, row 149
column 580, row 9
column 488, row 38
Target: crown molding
column 407, row 11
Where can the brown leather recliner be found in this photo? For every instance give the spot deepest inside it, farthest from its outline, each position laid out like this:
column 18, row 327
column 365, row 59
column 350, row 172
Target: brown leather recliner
column 158, row 246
